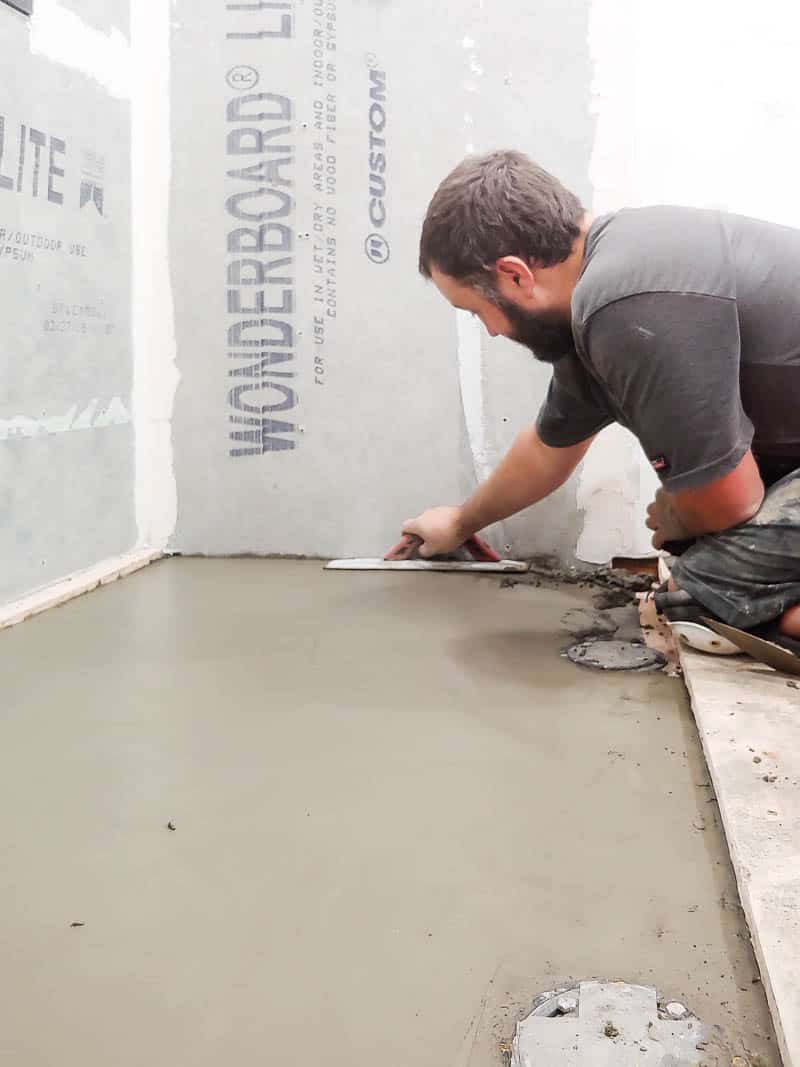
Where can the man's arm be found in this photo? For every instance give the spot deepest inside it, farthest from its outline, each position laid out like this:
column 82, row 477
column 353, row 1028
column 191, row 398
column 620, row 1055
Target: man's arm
column 726, row 502
column 529, row 472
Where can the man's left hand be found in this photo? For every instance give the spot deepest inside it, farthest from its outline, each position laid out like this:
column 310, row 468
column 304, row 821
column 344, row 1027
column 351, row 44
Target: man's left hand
column 664, row 521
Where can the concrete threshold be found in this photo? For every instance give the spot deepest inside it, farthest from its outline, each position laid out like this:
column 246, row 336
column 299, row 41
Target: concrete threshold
column 748, row 718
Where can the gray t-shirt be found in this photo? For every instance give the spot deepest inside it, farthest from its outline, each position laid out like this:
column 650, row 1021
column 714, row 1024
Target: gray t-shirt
column 687, row 331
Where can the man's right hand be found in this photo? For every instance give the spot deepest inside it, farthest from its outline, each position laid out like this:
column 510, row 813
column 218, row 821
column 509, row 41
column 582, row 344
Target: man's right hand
column 433, row 533
column 527, row 474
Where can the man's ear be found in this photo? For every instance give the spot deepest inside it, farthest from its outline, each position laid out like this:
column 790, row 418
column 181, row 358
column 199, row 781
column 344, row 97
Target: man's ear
column 513, row 271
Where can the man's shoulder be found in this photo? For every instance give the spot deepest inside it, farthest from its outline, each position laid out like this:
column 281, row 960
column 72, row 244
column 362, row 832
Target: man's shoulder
column 661, row 249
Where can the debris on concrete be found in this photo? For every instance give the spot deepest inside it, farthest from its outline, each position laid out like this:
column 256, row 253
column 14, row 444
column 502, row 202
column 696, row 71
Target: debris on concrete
column 627, row 622
column 77, row 924
column 170, row 825
column 623, row 622
column 613, row 598
column 583, row 623
column 548, row 569
column 675, row 1010
column 567, row 1004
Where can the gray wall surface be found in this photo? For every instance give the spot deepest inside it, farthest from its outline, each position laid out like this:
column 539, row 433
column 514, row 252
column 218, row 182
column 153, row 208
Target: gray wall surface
column 66, row 439
column 327, row 393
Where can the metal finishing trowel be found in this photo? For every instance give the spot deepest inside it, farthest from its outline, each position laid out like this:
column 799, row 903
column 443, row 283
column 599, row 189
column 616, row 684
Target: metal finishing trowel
column 763, row 651
column 474, row 555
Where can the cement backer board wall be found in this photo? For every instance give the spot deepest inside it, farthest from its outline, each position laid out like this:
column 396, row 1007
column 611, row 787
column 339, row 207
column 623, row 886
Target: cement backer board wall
column 391, row 403
column 66, row 437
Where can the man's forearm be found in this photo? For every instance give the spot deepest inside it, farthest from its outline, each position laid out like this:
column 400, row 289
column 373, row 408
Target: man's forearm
column 529, row 472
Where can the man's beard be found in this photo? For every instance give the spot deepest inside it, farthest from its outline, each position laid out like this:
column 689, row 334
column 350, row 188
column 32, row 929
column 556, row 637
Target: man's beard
column 548, row 334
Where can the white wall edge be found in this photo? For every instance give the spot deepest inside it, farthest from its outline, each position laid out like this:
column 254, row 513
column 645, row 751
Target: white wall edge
column 51, row 596
column 470, row 374
column 615, row 483
column 155, row 376
column 61, row 35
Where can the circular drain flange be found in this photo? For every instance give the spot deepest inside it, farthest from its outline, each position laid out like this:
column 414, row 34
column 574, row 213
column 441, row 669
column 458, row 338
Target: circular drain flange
column 616, row 656
column 618, row 1023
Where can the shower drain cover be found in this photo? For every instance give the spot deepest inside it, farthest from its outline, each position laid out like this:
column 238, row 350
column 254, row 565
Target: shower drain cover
column 609, row 1023
column 616, row 656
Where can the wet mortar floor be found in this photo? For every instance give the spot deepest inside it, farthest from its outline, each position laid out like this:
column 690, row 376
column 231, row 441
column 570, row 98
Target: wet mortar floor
column 397, row 812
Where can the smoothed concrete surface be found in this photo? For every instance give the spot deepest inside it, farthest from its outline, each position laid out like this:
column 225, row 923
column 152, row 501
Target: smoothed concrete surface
column 389, row 792
column 748, row 717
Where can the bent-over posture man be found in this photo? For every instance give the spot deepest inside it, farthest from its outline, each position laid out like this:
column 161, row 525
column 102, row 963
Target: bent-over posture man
column 681, row 324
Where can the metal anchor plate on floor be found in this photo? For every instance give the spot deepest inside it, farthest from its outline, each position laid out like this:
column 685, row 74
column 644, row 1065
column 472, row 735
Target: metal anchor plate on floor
column 608, row 1024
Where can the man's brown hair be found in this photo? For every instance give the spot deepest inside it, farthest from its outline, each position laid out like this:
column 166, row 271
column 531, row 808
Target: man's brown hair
column 500, row 204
